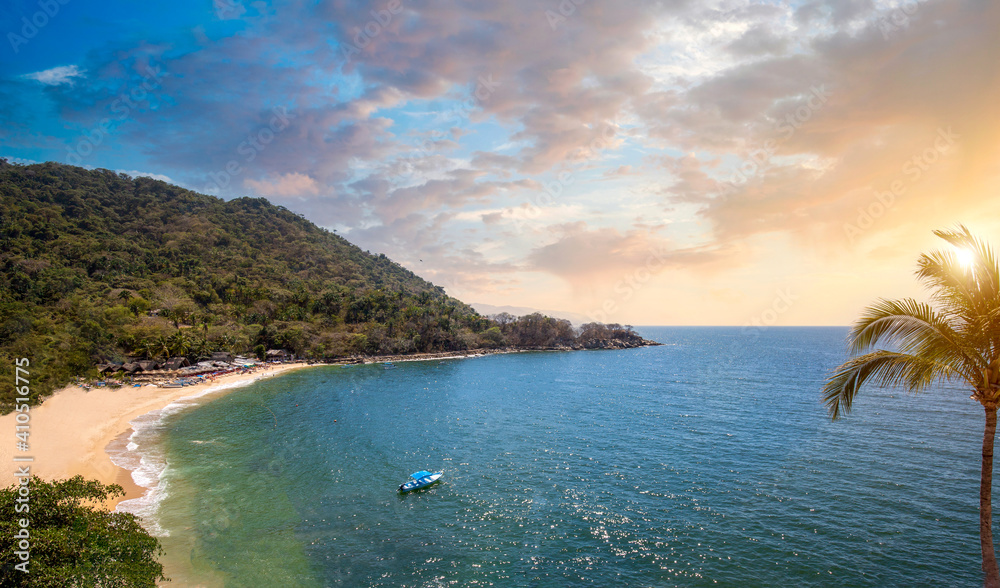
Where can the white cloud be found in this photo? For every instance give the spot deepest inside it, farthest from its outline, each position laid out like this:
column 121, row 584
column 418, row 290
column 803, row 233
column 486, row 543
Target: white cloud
column 142, row 174
column 18, row 160
column 56, row 76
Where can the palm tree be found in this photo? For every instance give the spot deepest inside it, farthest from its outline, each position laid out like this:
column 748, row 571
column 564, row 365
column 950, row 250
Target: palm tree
column 148, row 348
column 206, row 319
column 958, row 339
column 200, row 349
column 227, row 342
column 162, row 347
column 179, row 344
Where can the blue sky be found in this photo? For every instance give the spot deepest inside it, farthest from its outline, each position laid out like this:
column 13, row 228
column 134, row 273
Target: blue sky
column 641, row 162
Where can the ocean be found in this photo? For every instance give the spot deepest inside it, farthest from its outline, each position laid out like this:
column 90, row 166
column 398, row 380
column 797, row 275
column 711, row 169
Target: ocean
column 707, row 461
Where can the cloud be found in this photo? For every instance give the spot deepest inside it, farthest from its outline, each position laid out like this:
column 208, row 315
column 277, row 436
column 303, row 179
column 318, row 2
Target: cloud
column 448, row 123
column 885, row 99
column 561, row 85
column 620, row 171
column 56, row 76
column 426, row 245
column 142, row 174
column 286, row 185
column 18, row 160
column 589, row 257
column 759, row 40
column 492, row 218
column 557, row 92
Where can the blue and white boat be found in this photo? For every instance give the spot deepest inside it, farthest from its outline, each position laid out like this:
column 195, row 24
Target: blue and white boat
column 389, row 365
column 420, row 479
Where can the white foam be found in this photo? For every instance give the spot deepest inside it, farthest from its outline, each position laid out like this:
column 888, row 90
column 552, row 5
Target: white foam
column 143, row 455
column 144, row 458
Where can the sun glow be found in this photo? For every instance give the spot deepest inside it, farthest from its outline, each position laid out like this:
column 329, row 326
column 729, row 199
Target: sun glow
column 965, row 258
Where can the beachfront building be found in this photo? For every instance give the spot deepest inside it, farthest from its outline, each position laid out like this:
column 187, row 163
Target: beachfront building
column 279, row 355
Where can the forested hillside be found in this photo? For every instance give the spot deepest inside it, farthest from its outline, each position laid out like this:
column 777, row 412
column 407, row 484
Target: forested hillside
column 98, row 266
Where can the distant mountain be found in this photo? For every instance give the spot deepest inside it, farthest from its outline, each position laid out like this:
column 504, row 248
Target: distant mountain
column 97, row 266
column 573, row 317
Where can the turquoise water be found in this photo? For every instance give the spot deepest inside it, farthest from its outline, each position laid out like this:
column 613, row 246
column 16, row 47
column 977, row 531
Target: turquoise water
column 707, row 461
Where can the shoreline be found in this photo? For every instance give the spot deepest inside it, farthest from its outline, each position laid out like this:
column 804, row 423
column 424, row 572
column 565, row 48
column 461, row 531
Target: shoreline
column 76, row 431
column 72, row 430
column 94, row 432
column 431, row 355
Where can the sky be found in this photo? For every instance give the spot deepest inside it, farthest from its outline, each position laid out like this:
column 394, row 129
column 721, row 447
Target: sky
column 674, row 163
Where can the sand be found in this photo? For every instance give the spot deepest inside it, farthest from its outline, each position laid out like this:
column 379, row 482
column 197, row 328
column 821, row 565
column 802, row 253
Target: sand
column 71, row 430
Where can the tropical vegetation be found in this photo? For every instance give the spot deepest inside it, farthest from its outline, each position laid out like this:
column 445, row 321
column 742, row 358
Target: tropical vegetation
column 59, row 530
column 97, row 266
column 914, row 344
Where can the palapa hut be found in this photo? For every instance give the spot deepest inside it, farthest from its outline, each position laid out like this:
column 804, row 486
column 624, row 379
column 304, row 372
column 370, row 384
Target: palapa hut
column 222, row 356
column 278, row 355
column 175, row 363
column 148, row 365
column 132, row 368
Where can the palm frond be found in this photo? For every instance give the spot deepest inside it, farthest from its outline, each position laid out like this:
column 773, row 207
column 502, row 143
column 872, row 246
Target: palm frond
column 915, row 328
column 950, row 285
column 969, row 291
column 912, row 344
column 883, row 368
column 985, row 267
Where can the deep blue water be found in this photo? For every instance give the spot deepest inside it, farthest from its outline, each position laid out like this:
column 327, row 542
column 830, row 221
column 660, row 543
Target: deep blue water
column 707, row 461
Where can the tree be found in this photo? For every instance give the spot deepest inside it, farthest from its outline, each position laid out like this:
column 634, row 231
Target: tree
column 229, row 343
column 178, row 344
column 503, row 319
column 493, row 337
column 178, row 313
column 206, row 319
column 72, row 544
column 138, row 306
column 959, row 340
column 200, row 349
column 146, row 348
column 162, row 347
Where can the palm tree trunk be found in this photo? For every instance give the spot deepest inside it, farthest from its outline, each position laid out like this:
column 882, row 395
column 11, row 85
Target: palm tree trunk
column 991, row 576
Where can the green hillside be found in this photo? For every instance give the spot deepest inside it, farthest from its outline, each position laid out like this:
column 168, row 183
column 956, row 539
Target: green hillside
column 98, row 266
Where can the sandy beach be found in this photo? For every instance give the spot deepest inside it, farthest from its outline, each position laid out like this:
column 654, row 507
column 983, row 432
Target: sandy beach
column 71, row 430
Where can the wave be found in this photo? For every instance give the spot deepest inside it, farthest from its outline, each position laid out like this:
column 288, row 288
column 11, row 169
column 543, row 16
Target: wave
column 142, row 453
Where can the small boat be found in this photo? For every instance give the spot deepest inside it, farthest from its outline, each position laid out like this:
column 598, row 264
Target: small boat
column 389, row 365
column 420, row 479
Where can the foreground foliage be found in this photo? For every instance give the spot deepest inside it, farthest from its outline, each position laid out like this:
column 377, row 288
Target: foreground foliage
column 71, row 542
column 958, row 339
